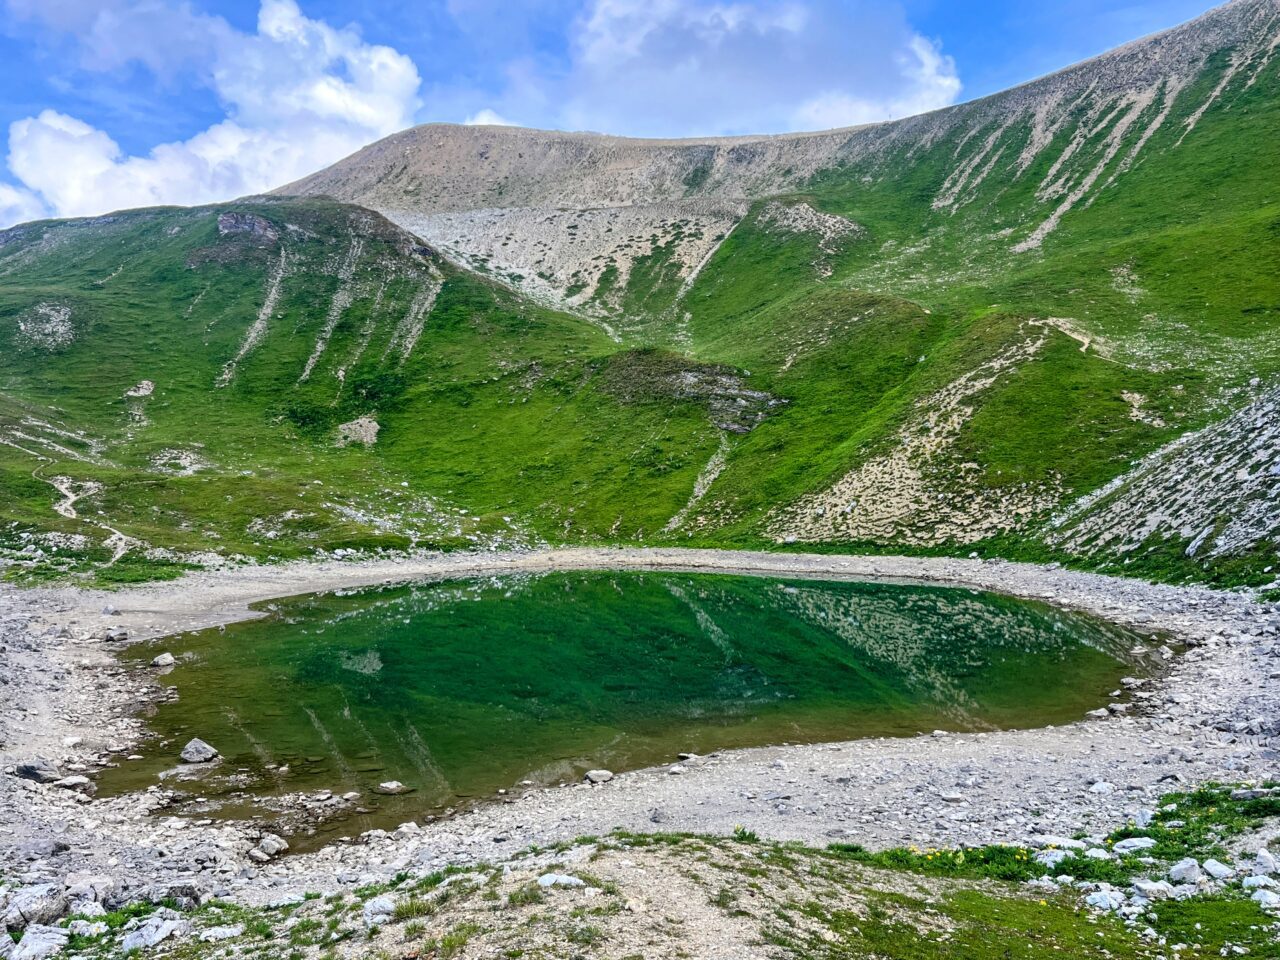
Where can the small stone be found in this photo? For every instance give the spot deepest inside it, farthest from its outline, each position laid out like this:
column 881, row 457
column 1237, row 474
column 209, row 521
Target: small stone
column 598, row 776
column 379, row 910
column 1065, row 843
column 391, row 788
column 1103, row 787
column 1217, row 869
column 164, row 660
column 1133, row 845
column 559, row 880
column 1185, row 871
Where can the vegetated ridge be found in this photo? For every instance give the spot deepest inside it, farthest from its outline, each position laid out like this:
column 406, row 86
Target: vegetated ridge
column 1039, row 325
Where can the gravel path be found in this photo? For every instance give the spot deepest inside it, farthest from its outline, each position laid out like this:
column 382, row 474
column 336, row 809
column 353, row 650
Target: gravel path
column 65, row 699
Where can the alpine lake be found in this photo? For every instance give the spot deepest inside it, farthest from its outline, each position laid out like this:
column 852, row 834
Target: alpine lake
column 463, row 688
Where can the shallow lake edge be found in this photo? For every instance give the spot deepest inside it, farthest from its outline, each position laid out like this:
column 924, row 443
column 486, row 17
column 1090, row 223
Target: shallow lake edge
column 1217, row 621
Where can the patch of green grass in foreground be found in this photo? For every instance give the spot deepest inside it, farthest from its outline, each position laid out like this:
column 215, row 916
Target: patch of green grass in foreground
column 973, row 902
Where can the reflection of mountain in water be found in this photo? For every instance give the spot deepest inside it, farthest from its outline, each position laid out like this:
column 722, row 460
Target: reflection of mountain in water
column 932, row 638
column 459, row 688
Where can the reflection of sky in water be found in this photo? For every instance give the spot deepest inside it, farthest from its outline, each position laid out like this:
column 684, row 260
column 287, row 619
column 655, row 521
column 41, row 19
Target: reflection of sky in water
column 460, row 688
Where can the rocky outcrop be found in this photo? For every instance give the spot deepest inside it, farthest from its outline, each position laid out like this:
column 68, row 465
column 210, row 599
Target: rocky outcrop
column 236, row 222
column 1214, row 493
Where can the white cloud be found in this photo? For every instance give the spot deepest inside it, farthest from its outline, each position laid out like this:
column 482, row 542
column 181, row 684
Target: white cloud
column 702, row 67
column 298, row 95
column 486, row 117
column 17, row 206
column 929, row 82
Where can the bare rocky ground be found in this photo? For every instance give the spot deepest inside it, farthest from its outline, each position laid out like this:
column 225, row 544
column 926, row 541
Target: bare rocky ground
column 66, row 700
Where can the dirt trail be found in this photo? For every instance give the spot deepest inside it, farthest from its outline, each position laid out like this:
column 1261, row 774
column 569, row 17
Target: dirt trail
column 72, row 492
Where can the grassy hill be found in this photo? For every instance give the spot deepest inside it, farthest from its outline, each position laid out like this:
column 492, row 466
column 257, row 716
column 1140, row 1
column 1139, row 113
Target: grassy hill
column 1043, row 325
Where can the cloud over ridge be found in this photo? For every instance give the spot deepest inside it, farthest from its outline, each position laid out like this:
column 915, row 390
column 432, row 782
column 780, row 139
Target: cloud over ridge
column 297, row 94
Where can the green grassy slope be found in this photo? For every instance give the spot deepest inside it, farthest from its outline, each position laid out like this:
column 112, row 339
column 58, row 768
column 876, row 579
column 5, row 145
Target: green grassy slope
column 900, row 357
column 1161, row 292
column 501, row 425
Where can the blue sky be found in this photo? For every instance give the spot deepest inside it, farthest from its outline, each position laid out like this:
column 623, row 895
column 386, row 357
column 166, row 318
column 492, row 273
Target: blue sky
column 117, row 103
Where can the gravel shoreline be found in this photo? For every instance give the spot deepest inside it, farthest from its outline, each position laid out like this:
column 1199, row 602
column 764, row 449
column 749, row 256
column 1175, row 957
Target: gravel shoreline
column 1214, row 716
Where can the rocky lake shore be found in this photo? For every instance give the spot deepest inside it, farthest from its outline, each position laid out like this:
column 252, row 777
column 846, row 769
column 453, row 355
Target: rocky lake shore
column 69, row 707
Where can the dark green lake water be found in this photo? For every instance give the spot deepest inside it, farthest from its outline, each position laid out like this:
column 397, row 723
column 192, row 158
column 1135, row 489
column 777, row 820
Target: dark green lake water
column 461, row 688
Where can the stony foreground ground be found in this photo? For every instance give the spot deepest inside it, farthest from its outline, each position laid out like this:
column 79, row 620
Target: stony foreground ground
column 1213, row 717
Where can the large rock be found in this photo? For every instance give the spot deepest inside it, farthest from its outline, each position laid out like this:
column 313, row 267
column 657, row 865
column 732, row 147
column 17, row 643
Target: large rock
column 39, row 942
column 77, row 784
column 1185, row 871
column 1266, row 899
column 1153, row 889
column 218, row 934
column 39, row 770
column 1265, row 864
column 560, row 880
column 1052, row 858
column 1105, row 899
column 40, row 904
column 88, row 928
column 270, row 844
column 88, row 887
column 157, row 928
column 197, row 751
column 598, row 776
column 184, row 894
